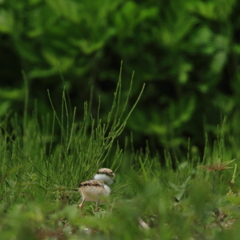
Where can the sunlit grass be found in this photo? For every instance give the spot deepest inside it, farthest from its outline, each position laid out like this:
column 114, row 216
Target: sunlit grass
column 44, row 160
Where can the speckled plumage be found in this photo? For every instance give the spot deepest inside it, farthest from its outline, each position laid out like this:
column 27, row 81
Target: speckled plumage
column 106, row 171
column 94, row 190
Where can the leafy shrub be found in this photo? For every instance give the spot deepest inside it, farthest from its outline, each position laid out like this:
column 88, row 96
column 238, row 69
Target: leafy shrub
column 185, row 51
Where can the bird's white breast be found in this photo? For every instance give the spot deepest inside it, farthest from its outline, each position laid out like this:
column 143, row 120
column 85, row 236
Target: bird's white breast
column 107, row 190
column 103, row 177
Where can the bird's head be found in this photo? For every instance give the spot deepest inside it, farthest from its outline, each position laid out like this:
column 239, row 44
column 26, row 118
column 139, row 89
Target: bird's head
column 106, row 175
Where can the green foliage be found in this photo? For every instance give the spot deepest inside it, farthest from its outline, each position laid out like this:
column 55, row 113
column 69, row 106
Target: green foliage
column 40, row 174
column 185, row 51
column 83, row 146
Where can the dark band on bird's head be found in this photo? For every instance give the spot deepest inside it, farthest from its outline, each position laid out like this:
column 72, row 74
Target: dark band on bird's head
column 90, row 185
column 108, row 173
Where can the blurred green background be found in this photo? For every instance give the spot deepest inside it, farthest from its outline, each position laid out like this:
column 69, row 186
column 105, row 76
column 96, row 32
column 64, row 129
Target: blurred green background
column 186, row 51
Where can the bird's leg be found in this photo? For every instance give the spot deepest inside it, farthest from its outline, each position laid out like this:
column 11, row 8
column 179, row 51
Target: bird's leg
column 81, row 206
column 96, row 209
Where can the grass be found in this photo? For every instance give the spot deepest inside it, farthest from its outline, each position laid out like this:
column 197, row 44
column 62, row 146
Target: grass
column 44, row 159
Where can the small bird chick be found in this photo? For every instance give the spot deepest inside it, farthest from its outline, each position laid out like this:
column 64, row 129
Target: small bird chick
column 97, row 189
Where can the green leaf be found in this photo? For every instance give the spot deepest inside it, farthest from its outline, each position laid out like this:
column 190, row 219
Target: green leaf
column 181, row 111
column 6, row 21
column 12, row 94
column 67, row 8
column 4, row 108
column 60, row 63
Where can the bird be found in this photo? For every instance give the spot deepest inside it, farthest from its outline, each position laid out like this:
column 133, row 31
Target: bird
column 97, row 189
